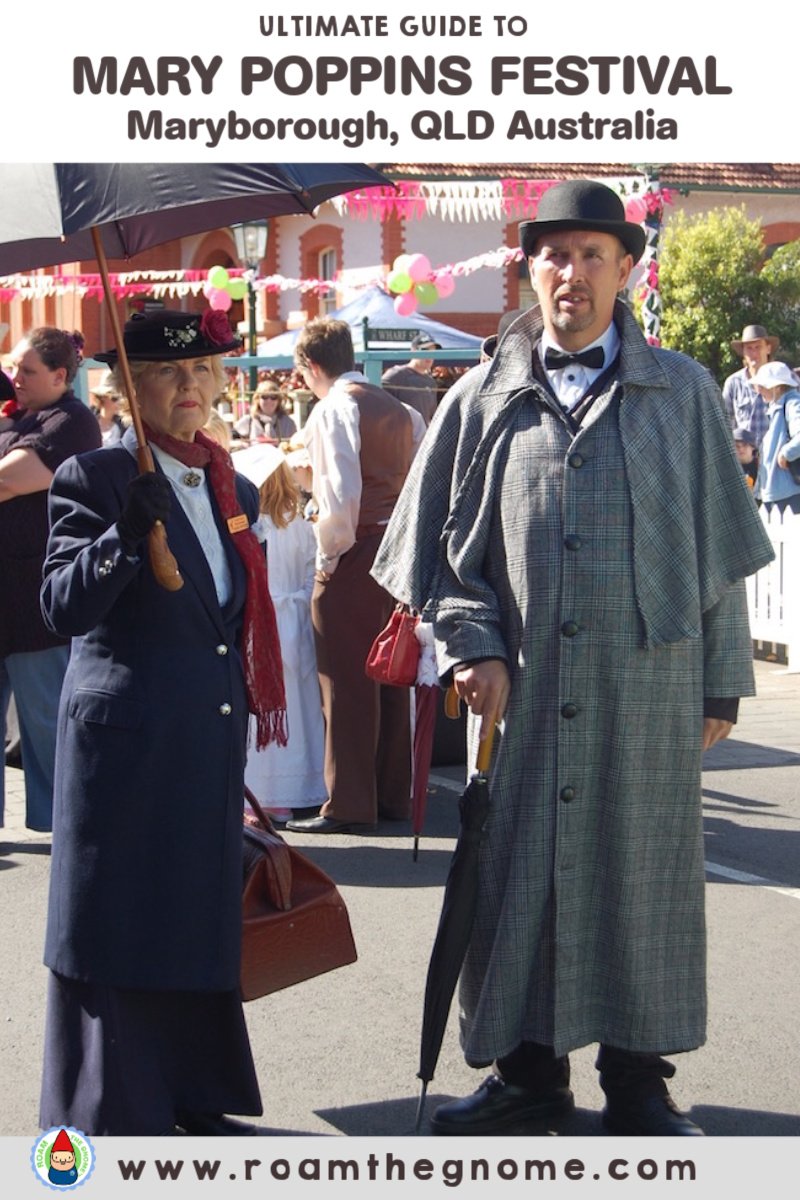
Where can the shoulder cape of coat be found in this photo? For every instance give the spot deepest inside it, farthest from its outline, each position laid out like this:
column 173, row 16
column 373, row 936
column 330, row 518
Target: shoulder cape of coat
column 696, row 527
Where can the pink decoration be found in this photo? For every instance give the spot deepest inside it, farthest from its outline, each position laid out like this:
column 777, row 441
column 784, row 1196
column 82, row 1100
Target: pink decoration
column 406, row 304
column 418, row 268
column 219, row 299
column 636, row 209
column 445, row 285
column 215, row 327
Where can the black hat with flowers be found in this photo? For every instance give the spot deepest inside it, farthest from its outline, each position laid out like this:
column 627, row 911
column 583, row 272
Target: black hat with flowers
column 165, row 335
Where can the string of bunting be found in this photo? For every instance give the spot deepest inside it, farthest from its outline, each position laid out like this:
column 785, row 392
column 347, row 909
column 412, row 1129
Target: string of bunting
column 412, row 279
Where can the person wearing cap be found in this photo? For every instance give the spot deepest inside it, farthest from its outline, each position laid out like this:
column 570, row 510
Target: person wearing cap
column 744, row 406
column 360, row 441
column 106, row 404
column 46, row 424
column 577, row 528
column 413, row 383
column 747, row 453
column 144, row 1027
column 778, row 481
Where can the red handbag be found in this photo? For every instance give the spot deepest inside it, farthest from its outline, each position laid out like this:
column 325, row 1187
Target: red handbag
column 294, row 921
column 394, row 655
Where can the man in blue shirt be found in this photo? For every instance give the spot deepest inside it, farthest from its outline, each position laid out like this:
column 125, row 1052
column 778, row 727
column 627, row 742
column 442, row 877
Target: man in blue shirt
column 744, row 406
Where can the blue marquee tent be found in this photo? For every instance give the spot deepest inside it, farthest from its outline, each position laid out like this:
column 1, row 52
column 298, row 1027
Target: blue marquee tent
column 377, row 306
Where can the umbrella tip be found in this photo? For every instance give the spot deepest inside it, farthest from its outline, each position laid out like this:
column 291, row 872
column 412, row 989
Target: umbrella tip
column 421, row 1107
column 416, row 849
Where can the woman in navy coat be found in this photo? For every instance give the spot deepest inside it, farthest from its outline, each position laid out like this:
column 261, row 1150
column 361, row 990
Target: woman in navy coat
column 145, row 1030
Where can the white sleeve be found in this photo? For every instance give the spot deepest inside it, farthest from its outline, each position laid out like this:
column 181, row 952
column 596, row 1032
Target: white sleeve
column 333, row 440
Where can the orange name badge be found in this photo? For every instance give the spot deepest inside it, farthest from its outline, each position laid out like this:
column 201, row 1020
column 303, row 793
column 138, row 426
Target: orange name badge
column 238, row 523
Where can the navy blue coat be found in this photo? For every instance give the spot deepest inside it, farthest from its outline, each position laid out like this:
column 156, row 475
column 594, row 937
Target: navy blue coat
column 146, row 877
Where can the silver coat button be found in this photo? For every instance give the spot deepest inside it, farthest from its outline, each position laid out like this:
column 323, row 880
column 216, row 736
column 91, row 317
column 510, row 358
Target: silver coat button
column 225, row 710
column 222, row 648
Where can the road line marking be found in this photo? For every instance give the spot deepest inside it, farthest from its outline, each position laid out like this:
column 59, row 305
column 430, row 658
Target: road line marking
column 744, row 877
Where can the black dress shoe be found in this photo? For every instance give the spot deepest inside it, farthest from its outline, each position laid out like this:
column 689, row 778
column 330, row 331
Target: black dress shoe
column 649, row 1116
column 497, row 1106
column 214, row 1125
column 328, row 825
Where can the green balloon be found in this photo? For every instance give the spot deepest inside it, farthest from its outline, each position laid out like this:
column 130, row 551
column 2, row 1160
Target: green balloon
column 399, row 282
column 237, row 289
column 218, row 277
column 426, row 293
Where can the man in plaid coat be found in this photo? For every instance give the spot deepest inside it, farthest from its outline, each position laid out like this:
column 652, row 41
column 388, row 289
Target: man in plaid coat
column 578, row 530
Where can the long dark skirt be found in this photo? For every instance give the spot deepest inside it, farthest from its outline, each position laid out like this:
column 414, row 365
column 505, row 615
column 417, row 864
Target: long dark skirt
column 118, row 1061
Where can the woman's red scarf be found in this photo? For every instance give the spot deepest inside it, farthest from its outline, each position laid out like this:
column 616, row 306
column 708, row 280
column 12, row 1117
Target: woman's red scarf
column 261, row 651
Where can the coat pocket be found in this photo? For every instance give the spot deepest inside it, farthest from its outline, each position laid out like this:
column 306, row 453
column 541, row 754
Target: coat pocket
column 106, row 708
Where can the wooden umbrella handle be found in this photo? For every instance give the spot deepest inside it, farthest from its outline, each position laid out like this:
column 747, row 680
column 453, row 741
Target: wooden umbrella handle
column 162, row 560
column 452, row 709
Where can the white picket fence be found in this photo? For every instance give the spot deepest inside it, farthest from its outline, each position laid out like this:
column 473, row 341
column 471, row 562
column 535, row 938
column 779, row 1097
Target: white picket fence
column 773, row 593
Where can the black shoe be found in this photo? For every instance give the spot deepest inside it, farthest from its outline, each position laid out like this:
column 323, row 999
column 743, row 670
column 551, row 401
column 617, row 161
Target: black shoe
column 648, row 1116
column 497, row 1106
column 214, row 1125
column 328, row 825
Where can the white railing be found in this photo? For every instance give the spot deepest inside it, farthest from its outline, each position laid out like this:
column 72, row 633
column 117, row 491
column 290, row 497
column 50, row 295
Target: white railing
column 773, row 593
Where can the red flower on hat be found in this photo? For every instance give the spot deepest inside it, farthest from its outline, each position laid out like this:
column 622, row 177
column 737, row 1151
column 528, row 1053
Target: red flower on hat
column 215, row 327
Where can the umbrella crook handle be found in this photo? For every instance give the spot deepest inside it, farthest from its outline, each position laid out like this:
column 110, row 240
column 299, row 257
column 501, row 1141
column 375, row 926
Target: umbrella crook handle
column 162, row 560
column 485, row 753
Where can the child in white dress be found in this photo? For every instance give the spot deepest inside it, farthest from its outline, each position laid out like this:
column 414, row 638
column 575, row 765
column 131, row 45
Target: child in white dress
column 286, row 778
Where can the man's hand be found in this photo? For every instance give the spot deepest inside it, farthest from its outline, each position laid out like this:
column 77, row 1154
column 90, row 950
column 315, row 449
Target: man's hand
column 485, row 688
column 714, row 730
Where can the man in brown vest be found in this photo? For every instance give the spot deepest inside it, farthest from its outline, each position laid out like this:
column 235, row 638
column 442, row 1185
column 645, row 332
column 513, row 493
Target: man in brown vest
column 360, row 441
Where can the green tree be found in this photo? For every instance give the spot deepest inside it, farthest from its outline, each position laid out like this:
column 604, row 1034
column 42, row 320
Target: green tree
column 712, row 285
column 781, row 275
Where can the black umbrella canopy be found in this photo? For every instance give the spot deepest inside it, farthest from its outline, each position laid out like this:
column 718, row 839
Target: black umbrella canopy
column 49, row 209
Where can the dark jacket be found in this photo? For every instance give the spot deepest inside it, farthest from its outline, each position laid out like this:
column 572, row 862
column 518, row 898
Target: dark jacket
column 146, row 873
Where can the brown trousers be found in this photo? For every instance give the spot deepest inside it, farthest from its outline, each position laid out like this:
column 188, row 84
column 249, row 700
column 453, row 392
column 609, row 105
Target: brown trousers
column 367, row 726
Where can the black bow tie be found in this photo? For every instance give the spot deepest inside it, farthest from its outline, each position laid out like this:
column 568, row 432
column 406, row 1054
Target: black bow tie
column 555, row 360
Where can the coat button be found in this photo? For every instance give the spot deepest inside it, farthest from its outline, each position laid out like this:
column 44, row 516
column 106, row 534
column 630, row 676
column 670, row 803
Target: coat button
column 567, row 794
column 572, row 541
column 225, row 710
column 570, row 628
column 569, row 711
column 576, row 460
column 222, row 648
column 105, row 568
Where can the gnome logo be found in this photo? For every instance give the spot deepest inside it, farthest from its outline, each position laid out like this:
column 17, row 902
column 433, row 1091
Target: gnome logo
column 62, row 1158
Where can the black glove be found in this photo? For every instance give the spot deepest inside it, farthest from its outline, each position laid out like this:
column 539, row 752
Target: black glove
column 149, row 500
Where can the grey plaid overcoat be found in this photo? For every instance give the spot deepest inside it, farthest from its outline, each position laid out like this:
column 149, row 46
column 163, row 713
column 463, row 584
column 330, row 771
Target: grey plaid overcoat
column 606, row 568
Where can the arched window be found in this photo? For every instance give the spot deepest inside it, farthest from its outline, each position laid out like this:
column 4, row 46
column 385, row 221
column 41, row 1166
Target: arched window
column 328, row 267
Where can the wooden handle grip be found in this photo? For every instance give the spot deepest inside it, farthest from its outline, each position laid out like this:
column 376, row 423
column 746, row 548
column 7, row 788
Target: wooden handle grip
column 162, row 560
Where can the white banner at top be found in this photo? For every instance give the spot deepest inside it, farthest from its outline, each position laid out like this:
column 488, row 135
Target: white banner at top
column 454, row 80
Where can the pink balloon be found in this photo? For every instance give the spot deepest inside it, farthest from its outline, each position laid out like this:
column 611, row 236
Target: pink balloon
column 406, row 304
column 635, row 209
column 220, row 299
column 445, row 285
column 418, row 267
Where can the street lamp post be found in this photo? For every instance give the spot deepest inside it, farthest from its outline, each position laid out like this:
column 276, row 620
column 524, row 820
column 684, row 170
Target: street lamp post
column 251, row 246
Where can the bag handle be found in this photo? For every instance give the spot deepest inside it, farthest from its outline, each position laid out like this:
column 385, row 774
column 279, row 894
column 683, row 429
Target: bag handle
column 259, row 812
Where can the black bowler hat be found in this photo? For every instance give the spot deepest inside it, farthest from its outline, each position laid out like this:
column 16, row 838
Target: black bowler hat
column 165, row 335
column 582, row 204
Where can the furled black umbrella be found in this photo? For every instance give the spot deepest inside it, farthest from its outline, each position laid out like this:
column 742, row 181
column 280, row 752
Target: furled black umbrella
column 68, row 212
column 455, row 921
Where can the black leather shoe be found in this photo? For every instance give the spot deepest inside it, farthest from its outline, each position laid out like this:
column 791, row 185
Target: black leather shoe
column 214, row 1125
column 328, row 825
column 497, row 1106
column 648, row 1116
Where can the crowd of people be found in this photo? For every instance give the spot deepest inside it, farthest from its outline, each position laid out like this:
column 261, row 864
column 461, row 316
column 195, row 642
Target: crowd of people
column 553, row 518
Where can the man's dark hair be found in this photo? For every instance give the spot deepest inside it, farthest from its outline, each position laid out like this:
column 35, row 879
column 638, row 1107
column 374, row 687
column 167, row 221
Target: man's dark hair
column 328, row 344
